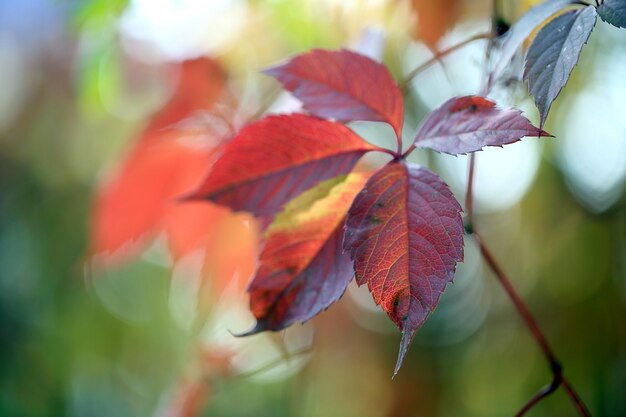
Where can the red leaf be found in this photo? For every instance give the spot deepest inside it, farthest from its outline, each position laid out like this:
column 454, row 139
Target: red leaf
column 164, row 165
column 190, row 225
column 302, row 267
column 271, row 161
column 467, row 124
column 434, row 18
column 200, row 85
column 344, row 86
column 231, row 252
column 132, row 205
column 405, row 234
column 142, row 199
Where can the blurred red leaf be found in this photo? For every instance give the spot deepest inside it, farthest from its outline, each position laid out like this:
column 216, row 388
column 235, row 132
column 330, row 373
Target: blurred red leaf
column 434, row 19
column 467, row 124
column 231, row 251
column 201, row 83
column 273, row 160
column 143, row 197
column 130, row 206
column 405, row 234
column 302, row 267
column 344, row 86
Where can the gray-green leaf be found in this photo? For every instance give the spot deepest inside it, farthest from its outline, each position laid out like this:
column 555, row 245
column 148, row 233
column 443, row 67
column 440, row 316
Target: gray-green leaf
column 554, row 53
column 613, row 12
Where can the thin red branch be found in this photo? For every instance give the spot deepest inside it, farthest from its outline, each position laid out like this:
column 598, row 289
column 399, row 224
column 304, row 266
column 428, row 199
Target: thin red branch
column 469, row 195
column 540, row 395
column 558, row 378
column 517, row 301
column 538, row 335
column 440, row 55
column 573, row 395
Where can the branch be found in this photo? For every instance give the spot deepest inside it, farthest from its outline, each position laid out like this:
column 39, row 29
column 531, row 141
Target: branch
column 544, row 392
column 440, row 55
column 469, row 194
column 573, row 395
column 558, row 378
column 531, row 323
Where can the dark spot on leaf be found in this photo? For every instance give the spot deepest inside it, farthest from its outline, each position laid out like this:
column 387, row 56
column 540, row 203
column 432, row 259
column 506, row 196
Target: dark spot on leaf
column 472, row 108
column 374, row 220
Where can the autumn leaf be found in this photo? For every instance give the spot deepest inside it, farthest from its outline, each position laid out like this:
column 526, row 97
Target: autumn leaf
column 344, row 86
column 467, row 124
column 434, row 18
column 273, row 160
column 141, row 199
column 201, row 83
column 512, row 41
column 554, row 53
column 613, row 12
column 405, row 234
column 302, row 267
column 130, row 207
column 164, row 164
column 231, row 251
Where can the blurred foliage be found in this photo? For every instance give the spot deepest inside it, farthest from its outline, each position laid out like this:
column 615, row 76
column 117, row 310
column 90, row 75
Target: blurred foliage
column 79, row 90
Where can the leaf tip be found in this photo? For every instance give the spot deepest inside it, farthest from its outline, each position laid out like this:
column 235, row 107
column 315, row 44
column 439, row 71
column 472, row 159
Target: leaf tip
column 273, row 72
column 407, row 338
column 258, row 327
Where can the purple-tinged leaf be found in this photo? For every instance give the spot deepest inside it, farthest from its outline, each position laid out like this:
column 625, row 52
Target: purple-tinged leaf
column 344, row 86
column 303, row 268
column 514, row 38
column 554, row 53
column 613, row 12
column 405, row 234
column 467, row 124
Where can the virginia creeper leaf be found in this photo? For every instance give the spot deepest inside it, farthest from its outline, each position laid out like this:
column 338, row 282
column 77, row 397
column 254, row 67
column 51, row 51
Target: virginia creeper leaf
column 514, row 38
column 467, row 124
column 405, row 234
column 344, row 86
column 613, row 12
column 273, row 160
column 302, row 267
column 554, row 53
column 130, row 207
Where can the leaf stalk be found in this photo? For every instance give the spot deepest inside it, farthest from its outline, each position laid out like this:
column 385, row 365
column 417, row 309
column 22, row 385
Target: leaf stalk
column 416, row 71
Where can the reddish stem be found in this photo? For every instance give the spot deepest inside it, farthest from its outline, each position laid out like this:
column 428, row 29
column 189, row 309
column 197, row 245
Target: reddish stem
column 544, row 392
column 558, row 378
column 469, row 195
column 517, row 302
column 573, row 395
column 440, row 55
column 531, row 323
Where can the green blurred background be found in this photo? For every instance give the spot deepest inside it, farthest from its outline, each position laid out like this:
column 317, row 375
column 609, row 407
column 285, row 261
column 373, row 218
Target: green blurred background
column 80, row 81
